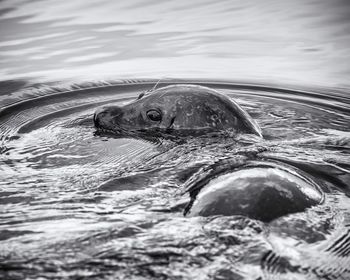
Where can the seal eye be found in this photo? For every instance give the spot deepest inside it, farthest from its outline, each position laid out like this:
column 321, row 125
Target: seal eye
column 154, row 115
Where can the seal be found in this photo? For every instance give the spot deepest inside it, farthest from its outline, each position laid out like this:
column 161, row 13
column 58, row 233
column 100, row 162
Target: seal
column 178, row 109
column 258, row 190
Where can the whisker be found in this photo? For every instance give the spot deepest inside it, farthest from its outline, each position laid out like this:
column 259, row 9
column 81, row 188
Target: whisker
column 155, row 86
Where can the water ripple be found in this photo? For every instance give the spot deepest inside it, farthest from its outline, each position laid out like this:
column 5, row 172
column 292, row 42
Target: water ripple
column 86, row 204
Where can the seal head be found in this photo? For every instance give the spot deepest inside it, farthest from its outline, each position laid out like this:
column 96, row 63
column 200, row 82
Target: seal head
column 177, row 109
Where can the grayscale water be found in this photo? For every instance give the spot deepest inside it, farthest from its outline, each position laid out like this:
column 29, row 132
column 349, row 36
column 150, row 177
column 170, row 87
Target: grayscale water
column 77, row 205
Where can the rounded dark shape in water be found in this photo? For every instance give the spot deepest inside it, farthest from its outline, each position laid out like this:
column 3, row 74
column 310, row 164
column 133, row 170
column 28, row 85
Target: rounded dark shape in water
column 177, row 109
column 262, row 193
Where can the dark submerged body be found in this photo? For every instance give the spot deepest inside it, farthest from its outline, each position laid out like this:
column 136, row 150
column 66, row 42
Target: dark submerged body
column 259, row 190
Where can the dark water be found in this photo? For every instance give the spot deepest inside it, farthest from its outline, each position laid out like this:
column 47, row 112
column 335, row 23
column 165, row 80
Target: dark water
column 76, row 205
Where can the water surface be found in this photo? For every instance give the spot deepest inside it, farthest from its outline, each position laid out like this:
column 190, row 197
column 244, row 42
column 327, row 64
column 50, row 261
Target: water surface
column 75, row 204
column 295, row 42
column 78, row 204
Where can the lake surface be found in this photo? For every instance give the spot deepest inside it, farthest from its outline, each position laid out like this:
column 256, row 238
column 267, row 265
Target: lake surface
column 78, row 205
column 303, row 42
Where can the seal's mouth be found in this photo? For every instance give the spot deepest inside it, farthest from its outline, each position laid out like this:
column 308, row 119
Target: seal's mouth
column 103, row 129
column 100, row 130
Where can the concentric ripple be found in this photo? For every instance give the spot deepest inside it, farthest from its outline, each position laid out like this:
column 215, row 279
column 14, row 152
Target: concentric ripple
column 77, row 204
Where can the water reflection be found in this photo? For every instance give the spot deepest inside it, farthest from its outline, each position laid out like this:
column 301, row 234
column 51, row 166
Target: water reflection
column 293, row 42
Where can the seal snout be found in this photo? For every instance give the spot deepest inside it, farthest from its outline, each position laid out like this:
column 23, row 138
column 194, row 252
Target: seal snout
column 98, row 115
column 104, row 115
